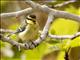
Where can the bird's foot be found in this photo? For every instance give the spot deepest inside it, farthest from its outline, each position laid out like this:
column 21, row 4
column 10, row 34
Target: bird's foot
column 31, row 45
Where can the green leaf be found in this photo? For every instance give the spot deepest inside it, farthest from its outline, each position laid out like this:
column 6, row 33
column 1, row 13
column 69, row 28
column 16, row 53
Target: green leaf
column 64, row 27
column 61, row 55
column 72, row 9
column 75, row 42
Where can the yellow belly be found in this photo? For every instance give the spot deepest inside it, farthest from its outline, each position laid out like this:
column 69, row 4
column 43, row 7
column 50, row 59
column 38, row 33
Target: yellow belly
column 30, row 33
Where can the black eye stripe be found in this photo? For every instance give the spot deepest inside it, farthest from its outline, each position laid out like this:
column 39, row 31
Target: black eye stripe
column 31, row 19
column 33, row 16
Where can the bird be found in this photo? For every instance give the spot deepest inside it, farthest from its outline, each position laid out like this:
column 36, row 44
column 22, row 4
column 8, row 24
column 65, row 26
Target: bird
column 29, row 32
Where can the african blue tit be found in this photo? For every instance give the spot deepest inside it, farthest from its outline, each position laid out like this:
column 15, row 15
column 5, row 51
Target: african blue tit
column 30, row 32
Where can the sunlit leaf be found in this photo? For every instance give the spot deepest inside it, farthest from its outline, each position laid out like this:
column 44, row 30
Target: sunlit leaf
column 64, row 26
column 75, row 42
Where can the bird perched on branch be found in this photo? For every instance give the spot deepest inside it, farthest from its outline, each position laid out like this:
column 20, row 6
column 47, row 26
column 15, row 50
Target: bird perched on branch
column 28, row 31
column 31, row 30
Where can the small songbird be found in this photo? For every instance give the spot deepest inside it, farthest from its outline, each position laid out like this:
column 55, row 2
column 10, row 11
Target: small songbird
column 30, row 32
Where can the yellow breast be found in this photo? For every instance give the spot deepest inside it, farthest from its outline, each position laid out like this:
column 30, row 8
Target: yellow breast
column 30, row 33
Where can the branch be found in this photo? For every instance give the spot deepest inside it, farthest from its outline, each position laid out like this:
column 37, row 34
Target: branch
column 46, row 28
column 46, row 9
column 64, row 36
column 13, row 42
column 16, row 14
column 64, row 3
column 6, row 31
column 57, row 13
column 59, row 5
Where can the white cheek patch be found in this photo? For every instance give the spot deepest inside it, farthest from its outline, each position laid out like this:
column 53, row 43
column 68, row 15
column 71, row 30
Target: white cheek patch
column 30, row 22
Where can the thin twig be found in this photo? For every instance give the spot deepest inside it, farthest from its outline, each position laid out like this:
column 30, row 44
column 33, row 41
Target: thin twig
column 64, row 36
column 6, row 31
column 64, row 3
column 12, row 42
column 59, row 5
column 16, row 14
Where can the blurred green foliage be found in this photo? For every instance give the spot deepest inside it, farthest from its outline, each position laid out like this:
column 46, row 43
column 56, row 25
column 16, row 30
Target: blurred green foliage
column 2, row 5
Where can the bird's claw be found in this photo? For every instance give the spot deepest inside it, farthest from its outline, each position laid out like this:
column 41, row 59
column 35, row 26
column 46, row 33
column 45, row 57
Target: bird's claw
column 30, row 45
